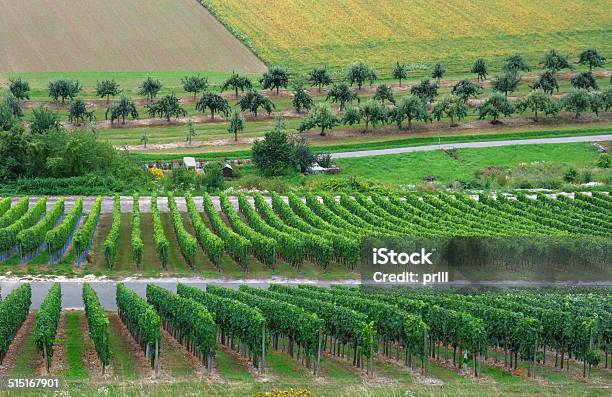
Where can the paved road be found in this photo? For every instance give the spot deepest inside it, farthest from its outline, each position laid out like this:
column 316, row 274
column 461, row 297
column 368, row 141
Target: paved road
column 426, row 148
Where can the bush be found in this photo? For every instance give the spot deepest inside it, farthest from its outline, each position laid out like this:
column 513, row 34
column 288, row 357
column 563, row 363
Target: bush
column 604, row 161
column 275, row 154
column 571, row 175
column 212, row 179
column 325, row 160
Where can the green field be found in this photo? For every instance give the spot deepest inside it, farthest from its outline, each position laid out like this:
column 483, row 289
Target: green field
column 304, row 34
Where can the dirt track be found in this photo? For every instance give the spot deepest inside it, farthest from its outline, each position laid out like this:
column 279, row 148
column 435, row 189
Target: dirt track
column 63, row 35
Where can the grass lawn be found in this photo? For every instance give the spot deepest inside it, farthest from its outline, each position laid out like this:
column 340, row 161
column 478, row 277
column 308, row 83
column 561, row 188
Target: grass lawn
column 531, row 162
column 74, row 346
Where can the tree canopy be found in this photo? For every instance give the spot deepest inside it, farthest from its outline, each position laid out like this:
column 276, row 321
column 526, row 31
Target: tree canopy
column 555, row 61
column 19, row 88
column 438, row 71
column 125, row 107
column 319, row 77
column 107, row 88
column 592, row 58
column 426, row 90
column 194, row 84
column 480, row 68
column 237, row 82
column 150, row 88
column 215, row 103
column 274, row 155
column 584, row 80
column 64, row 89
column 538, row 101
column 547, row 82
column 275, row 78
column 301, row 99
column 507, row 82
column 383, row 93
column 342, row 94
column 400, row 72
column 359, row 72
column 78, row 112
column 254, row 100
column 465, row 89
column 516, row 63
column 496, row 106
column 451, row 106
column 410, row 107
column 236, row 124
column 43, row 119
column 168, row 106
column 322, row 117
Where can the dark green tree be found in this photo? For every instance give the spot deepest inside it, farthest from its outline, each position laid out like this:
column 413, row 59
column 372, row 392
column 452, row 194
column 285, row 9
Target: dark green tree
column 215, row 103
column 107, row 88
column 351, row 116
column 322, row 117
column 43, row 119
column 507, row 82
column 274, row 155
column 538, row 101
column 64, row 89
column 400, row 72
column 451, row 106
column 577, row 101
column 253, row 101
column 194, row 84
column 301, row 98
column 373, row 112
column 13, row 144
column 438, row 72
column 465, row 89
column 584, row 80
column 383, row 93
column 19, row 88
column 303, row 156
column 606, row 98
column 122, row 109
column 275, row 78
column 547, row 82
column 342, row 94
column 410, row 108
column 496, row 106
column 592, row 58
column 7, row 119
column 236, row 124
column 167, row 107
column 480, row 68
column 319, row 77
column 516, row 63
column 77, row 112
column 425, row 90
column 359, row 72
column 237, row 82
column 149, row 88
column 555, row 61
column 12, row 103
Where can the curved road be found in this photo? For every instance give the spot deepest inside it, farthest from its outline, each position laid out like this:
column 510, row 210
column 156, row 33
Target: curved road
column 485, row 144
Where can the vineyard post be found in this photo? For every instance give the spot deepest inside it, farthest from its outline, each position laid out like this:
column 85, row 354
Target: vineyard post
column 535, row 350
column 47, row 363
column 156, row 356
column 263, row 349
column 369, row 371
column 316, row 370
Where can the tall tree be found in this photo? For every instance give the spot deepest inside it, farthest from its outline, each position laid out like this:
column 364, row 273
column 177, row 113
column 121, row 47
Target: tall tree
column 373, row 112
column 168, row 106
column 426, row 90
column 237, row 82
column 342, row 94
column 275, row 78
column 13, row 104
column 400, row 72
column 577, row 101
column 359, row 72
column 451, row 106
column 254, row 100
column 77, row 112
column 383, row 93
column 275, row 153
column 215, row 103
column 322, row 117
column 319, row 77
column 584, row 80
column 122, row 109
column 64, row 89
column 496, row 106
column 7, row 119
column 351, row 116
column 150, row 88
column 538, row 101
column 410, row 108
column 465, row 89
column 194, row 84
column 547, row 82
column 19, row 88
column 107, row 88
column 191, row 131
column 507, row 82
column 556, row 61
column 301, row 98
column 43, row 120
column 592, row 58
column 480, row 68
column 516, row 63
column 236, row 124
column 438, row 72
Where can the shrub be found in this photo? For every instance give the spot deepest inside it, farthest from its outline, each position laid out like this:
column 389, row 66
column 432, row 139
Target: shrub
column 604, row 161
column 571, row 175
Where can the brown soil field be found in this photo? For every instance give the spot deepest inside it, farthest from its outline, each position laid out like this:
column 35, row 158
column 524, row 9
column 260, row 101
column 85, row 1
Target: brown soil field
column 127, row 35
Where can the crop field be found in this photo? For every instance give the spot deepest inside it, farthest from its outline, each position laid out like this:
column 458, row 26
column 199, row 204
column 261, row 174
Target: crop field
column 311, row 236
column 304, row 34
column 326, row 340
column 122, row 35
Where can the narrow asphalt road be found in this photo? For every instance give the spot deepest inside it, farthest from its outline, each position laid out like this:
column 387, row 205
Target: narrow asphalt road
column 426, row 148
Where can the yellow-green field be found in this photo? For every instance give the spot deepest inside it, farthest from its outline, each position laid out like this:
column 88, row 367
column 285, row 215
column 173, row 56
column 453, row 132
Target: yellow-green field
column 305, row 33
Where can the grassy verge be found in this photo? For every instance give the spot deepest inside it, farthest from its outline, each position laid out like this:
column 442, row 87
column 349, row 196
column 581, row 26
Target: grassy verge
column 74, row 346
